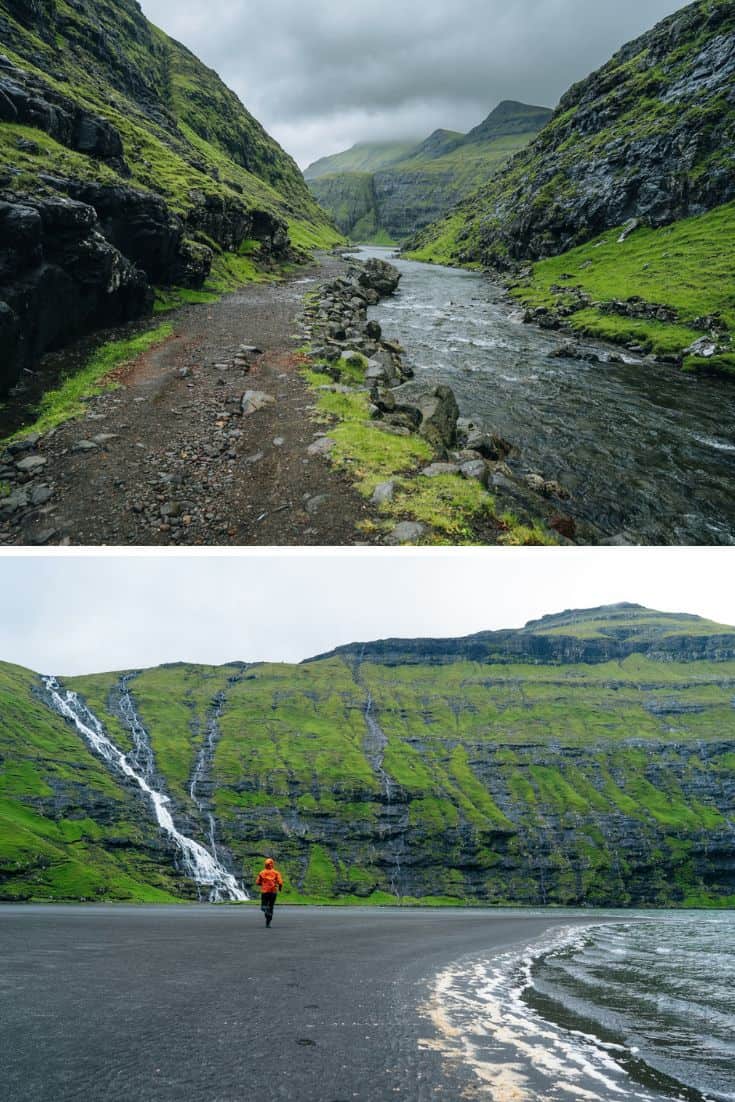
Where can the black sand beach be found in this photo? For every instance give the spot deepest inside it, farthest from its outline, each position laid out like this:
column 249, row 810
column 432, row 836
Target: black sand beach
column 204, row 1003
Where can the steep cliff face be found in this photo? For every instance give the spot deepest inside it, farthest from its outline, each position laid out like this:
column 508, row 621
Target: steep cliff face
column 401, row 189
column 596, row 768
column 648, row 136
column 124, row 162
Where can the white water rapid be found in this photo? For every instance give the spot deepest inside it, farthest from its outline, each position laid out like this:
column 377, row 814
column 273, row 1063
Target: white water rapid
column 199, row 864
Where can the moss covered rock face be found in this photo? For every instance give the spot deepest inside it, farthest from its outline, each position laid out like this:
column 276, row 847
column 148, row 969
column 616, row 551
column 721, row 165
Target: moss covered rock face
column 648, row 136
column 588, row 758
column 160, row 166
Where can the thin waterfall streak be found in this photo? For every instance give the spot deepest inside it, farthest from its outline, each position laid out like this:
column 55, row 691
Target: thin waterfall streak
column 375, row 747
column 199, row 864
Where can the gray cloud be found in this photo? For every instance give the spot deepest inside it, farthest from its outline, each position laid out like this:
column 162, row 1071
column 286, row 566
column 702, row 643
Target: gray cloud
column 323, row 74
column 76, row 614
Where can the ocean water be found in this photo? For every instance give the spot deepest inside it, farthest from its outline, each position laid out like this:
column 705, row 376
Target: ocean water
column 641, row 1009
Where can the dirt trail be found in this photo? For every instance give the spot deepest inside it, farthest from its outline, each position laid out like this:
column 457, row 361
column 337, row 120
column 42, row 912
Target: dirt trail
column 167, row 459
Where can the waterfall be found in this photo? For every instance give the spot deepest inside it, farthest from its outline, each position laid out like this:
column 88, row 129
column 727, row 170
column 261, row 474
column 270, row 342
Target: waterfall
column 204, row 758
column 374, row 745
column 198, row 863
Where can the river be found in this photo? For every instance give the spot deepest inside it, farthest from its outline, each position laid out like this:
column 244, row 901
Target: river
column 647, row 452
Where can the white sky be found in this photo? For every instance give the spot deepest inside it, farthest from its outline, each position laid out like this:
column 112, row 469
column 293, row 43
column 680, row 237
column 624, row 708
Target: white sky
column 83, row 613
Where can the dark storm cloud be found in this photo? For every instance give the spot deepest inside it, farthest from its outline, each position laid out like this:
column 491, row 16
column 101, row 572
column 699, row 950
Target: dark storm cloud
column 322, row 74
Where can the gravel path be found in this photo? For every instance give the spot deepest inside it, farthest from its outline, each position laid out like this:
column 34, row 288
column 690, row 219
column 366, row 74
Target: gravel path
column 168, row 459
column 143, row 1004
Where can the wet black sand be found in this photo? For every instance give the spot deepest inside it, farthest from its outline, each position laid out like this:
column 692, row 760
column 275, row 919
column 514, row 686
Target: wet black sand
column 204, row 1003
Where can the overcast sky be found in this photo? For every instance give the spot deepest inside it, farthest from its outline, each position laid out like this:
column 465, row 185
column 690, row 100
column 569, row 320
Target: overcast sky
column 70, row 614
column 323, row 74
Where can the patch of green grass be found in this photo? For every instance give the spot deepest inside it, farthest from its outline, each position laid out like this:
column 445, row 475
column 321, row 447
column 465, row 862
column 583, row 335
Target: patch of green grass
column 372, row 456
column 442, row 248
column 67, row 400
column 448, row 504
column 688, row 266
column 171, row 298
column 308, row 236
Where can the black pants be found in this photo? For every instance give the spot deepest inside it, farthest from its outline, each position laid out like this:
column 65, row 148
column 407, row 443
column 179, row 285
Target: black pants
column 267, row 903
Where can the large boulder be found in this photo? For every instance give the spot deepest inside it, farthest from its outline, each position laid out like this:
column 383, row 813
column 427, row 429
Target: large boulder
column 439, row 416
column 380, row 276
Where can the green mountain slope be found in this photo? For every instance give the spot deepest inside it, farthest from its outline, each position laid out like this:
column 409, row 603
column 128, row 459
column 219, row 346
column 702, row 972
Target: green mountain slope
column 362, row 157
column 647, row 140
column 119, row 140
column 587, row 758
column 388, row 192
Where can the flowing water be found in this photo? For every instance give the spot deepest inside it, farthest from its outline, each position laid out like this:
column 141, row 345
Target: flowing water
column 198, row 863
column 635, row 1010
column 203, row 765
column 647, row 452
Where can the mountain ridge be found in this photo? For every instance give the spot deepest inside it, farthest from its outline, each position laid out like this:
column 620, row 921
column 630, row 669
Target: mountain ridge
column 376, row 189
column 527, row 776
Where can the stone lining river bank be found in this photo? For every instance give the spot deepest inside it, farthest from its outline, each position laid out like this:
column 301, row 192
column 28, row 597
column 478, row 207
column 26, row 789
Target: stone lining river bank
column 353, row 351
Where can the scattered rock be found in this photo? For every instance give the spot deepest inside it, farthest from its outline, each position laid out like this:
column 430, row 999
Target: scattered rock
column 408, row 531
column 85, row 446
column 703, row 347
column 323, row 446
column 314, row 504
column 383, row 494
column 436, row 470
column 41, row 494
column 43, row 537
column 477, row 470
column 31, row 464
column 254, row 400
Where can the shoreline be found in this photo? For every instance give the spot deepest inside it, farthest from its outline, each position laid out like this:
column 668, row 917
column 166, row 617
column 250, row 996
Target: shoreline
column 170, row 1002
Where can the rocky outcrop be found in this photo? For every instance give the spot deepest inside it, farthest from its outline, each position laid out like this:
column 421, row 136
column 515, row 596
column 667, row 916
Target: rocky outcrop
column 166, row 164
column 642, row 138
column 59, row 277
column 594, row 636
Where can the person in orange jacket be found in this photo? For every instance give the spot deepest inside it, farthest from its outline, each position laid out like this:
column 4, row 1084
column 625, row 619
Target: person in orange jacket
column 270, row 883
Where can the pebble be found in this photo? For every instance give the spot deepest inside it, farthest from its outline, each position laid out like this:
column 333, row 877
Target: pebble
column 253, row 400
column 383, row 493
column 408, row 531
column 322, row 446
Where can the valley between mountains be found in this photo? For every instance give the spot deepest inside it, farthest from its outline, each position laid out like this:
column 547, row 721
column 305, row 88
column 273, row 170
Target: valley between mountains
column 586, row 759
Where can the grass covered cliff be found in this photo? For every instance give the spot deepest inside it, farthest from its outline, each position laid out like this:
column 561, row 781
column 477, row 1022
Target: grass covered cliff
column 586, row 759
column 125, row 163
column 645, row 144
column 383, row 192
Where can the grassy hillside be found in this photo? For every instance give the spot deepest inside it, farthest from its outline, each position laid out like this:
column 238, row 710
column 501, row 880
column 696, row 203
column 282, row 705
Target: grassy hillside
column 362, row 157
column 689, row 267
column 384, row 193
column 184, row 134
column 589, row 758
column 68, row 829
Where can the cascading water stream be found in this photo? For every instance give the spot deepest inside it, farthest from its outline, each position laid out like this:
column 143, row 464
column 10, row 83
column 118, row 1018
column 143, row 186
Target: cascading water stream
column 204, row 869
column 142, row 756
column 375, row 744
column 204, row 757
